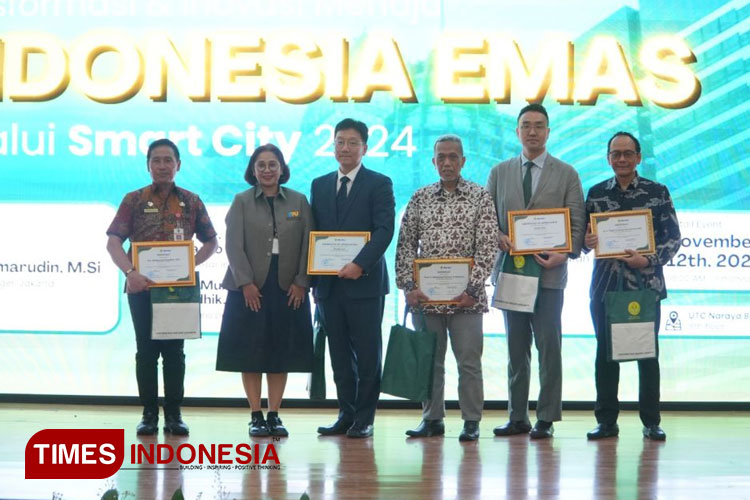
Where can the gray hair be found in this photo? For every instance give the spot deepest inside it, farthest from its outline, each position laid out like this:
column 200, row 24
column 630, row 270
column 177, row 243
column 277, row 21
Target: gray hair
column 449, row 138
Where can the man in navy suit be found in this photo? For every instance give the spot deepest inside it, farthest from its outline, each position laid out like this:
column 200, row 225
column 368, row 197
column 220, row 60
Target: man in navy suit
column 354, row 198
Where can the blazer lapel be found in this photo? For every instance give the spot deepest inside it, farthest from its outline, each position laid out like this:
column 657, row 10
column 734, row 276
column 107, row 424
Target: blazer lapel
column 547, row 172
column 359, row 181
column 516, row 180
column 329, row 188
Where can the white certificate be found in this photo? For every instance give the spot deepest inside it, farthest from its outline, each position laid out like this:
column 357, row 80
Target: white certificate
column 167, row 263
column 536, row 231
column 329, row 251
column 442, row 280
column 620, row 231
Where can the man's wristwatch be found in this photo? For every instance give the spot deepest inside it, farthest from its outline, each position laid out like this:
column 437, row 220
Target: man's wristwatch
column 129, row 271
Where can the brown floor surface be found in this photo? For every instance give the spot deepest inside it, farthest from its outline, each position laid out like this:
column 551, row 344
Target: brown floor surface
column 706, row 455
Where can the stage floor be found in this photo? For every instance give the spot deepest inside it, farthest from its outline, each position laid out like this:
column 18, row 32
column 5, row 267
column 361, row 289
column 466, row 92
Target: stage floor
column 706, row 455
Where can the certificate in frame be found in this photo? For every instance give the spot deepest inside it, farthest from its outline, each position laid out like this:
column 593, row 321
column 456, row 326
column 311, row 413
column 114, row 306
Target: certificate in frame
column 442, row 278
column 618, row 231
column 329, row 251
column 166, row 263
column 541, row 230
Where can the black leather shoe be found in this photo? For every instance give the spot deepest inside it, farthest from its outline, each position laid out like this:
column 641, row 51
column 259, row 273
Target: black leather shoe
column 512, row 428
column 360, row 431
column 428, row 428
column 470, row 431
column 275, row 426
column 655, row 433
column 542, row 430
column 258, row 426
column 337, row 428
column 149, row 425
column 603, row 431
column 173, row 424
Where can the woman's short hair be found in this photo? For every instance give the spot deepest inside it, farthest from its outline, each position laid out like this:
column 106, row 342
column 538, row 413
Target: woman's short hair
column 250, row 171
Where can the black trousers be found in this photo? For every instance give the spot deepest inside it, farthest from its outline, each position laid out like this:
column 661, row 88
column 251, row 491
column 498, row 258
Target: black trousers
column 607, row 375
column 147, row 357
column 353, row 327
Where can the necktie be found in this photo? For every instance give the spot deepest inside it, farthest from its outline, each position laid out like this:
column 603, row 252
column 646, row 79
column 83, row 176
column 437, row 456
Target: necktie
column 527, row 182
column 341, row 197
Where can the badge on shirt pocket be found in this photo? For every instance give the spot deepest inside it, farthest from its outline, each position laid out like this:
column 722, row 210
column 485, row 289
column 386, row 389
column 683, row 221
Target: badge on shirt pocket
column 292, row 215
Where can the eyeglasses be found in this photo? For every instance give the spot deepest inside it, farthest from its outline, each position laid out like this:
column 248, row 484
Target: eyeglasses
column 272, row 166
column 628, row 155
column 340, row 143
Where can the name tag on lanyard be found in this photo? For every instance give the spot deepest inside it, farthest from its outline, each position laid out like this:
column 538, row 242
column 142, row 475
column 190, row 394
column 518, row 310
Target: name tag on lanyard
column 179, row 231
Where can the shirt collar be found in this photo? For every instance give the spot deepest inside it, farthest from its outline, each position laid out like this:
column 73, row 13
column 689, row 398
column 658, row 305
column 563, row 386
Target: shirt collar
column 155, row 188
column 613, row 184
column 351, row 175
column 259, row 192
column 538, row 161
column 460, row 186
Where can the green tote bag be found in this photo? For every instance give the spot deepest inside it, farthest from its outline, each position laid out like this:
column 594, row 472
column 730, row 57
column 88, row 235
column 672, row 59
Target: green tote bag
column 409, row 363
column 631, row 322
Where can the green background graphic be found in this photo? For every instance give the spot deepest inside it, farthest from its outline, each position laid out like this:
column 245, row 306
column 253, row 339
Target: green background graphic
column 699, row 152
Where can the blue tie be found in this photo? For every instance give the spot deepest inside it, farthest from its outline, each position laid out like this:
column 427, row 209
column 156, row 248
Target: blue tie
column 341, row 198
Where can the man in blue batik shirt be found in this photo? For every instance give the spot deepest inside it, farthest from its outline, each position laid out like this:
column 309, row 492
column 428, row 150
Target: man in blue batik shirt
column 629, row 191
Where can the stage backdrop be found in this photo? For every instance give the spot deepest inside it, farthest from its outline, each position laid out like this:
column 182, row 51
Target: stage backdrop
column 87, row 84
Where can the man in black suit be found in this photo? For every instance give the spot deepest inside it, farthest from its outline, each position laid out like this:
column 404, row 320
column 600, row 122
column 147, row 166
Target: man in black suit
column 354, row 198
